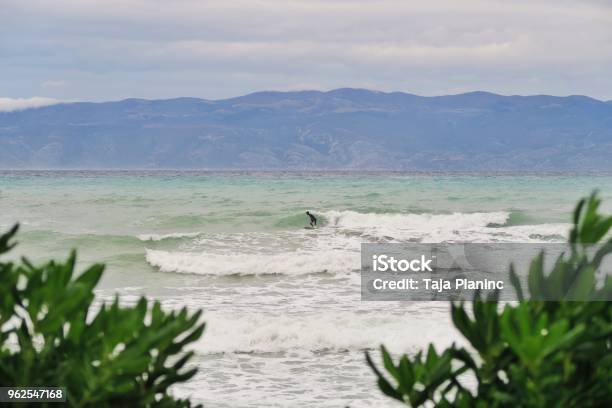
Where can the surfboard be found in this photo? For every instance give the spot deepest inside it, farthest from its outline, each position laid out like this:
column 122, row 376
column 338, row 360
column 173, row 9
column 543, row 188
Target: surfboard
column 309, row 227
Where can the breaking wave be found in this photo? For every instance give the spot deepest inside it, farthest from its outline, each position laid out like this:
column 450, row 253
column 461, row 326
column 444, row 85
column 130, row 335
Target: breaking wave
column 290, row 263
column 418, row 222
column 335, row 247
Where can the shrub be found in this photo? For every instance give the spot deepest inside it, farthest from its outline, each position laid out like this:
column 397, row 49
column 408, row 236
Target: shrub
column 108, row 356
column 532, row 353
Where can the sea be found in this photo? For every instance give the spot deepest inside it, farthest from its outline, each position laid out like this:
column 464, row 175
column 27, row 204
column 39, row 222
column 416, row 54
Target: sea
column 285, row 323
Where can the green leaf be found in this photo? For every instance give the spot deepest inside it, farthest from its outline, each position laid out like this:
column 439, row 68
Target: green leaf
column 102, row 361
column 5, row 239
column 516, row 283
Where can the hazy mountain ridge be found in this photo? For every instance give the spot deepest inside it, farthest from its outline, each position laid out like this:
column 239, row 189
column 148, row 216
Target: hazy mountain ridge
column 344, row 128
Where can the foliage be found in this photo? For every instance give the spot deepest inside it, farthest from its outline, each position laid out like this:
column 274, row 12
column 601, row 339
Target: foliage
column 533, row 353
column 51, row 334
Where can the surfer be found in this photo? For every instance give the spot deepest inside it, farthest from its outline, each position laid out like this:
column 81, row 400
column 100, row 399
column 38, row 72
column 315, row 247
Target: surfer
column 313, row 220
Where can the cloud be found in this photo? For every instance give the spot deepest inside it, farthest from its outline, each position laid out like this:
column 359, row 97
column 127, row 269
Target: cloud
column 107, row 49
column 15, row 104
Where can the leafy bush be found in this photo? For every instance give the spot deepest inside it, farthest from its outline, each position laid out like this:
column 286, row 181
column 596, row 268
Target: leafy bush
column 110, row 357
column 532, row 353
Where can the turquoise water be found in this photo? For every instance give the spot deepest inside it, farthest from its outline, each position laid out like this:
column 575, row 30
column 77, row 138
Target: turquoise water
column 285, row 321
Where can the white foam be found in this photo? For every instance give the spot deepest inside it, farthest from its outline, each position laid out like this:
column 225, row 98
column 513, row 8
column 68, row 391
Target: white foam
column 538, row 232
column 289, row 263
column 173, row 235
column 432, row 228
column 325, row 330
column 415, row 222
column 429, row 227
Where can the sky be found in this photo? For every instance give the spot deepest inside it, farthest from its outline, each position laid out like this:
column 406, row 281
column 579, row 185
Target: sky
column 70, row 50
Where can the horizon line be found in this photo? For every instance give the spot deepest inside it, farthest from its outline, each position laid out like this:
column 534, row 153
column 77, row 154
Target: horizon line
column 306, row 170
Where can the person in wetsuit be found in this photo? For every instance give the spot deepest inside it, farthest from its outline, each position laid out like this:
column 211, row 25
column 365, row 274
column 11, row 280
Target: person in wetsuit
column 313, row 220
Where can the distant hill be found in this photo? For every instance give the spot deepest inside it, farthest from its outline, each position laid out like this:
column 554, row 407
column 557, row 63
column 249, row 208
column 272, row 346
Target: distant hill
column 340, row 129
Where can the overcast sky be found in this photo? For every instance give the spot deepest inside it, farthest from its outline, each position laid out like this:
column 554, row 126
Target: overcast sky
column 114, row 49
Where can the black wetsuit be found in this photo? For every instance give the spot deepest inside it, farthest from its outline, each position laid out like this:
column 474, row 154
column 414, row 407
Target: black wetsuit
column 313, row 220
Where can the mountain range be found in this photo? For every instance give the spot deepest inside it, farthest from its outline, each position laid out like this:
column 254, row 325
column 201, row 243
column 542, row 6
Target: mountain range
column 308, row 130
